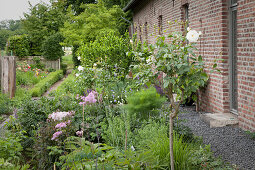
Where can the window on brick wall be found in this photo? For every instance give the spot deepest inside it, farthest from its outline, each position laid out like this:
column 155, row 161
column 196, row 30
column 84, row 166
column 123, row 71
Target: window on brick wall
column 160, row 25
column 185, row 17
column 233, row 56
column 146, row 31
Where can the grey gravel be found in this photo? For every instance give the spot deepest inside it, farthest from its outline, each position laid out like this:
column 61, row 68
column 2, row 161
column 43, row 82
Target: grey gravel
column 232, row 144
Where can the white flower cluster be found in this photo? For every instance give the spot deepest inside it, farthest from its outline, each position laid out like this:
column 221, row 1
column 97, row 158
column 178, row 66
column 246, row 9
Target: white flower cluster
column 59, row 115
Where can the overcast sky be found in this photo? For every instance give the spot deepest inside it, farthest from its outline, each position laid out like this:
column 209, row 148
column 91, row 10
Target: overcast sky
column 14, row 9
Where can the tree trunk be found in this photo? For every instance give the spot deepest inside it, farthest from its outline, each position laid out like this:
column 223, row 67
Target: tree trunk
column 171, row 141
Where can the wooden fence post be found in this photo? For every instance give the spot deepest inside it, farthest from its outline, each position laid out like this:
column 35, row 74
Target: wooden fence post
column 8, row 75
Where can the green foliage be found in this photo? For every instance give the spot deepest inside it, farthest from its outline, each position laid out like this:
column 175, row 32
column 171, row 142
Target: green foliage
column 26, row 78
column 19, row 45
column 51, row 48
column 9, row 28
column 202, row 158
column 4, row 165
column 38, row 63
column 144, row 102
column 41, row 22
column 4, row 35
column 10, row 147
column 43, row 155
column 121, row 3
column 5, row 104
column 93, row 21
column 67, row 86
column 46, row 83
column 116, row 128
column 75, row 57
column 110, row 49
column 86, row 155
column 251, row 134
column 67, row 59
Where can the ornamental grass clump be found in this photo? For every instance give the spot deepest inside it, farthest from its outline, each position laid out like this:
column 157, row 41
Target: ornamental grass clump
column 144, row 102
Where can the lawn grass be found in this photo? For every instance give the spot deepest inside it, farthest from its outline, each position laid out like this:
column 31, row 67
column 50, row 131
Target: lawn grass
column 68, row 61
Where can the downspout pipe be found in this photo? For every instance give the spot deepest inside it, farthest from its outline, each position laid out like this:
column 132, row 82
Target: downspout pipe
column 132, row 28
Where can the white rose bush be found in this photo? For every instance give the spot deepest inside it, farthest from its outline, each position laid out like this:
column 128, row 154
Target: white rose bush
column 177, row 68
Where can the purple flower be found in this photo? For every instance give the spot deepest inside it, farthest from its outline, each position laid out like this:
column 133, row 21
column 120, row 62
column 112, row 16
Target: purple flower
column 60, row 125
column 56, row 135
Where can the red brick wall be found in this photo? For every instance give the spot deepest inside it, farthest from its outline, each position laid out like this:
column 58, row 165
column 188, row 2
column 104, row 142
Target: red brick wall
column 246, row 63
column 211, row 17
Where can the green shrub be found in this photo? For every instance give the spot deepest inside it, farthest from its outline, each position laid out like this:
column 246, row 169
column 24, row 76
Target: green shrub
column 75, row 56
column 4, row 165
column 19, row 45
column 46, row 83
column 109, row 48
column 26, row 78
column 5, row 104
column 51, row 48
column 144, row 101
column 67, row 86
column 10, row 147
column 63, row 67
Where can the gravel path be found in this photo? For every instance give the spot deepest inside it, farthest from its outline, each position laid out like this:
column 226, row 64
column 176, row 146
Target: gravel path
column 230, row 143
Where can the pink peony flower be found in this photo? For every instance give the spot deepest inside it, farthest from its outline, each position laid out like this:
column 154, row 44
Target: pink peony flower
column 79, row 133
column 56, row 135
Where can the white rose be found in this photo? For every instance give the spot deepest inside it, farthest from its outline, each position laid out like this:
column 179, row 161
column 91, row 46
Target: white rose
column 80, row 68
column 95, row 64
column 79, row 58
column 77, row 74
column 192, row 36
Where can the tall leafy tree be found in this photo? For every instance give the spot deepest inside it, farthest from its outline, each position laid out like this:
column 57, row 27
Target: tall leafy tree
column 93, row 21
column 42, row 21
column 121, row 3
column 76, row 5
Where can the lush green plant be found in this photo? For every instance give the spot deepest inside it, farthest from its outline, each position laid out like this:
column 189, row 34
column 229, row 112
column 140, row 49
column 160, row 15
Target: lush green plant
column 107, row 51
column 144, row 102
column 19, row 45
column 7, row 165
column 4, row 35
column 5, row 104
column 42, row 21
column 251, row 134
column 52, row 133
column 86, row 155
column 178, row 68
column 66, row 87
column 44, row 84
column 51, row 49
column 117, row 128
column 202, row 158
column 38, row 63
column 10, row 147
column 94, row 20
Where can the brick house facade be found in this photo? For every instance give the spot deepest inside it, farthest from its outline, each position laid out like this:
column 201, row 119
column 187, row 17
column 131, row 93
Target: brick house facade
column 228, row 28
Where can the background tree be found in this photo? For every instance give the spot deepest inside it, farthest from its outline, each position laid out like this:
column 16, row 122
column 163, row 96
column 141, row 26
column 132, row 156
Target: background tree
column 42, row 21
column 95, row 20
column 9, row 28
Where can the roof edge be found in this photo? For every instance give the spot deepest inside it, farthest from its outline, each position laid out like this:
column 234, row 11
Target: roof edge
column 130, row 5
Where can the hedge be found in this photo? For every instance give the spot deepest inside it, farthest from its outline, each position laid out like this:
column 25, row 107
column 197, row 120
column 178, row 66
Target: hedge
column 46, row 83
